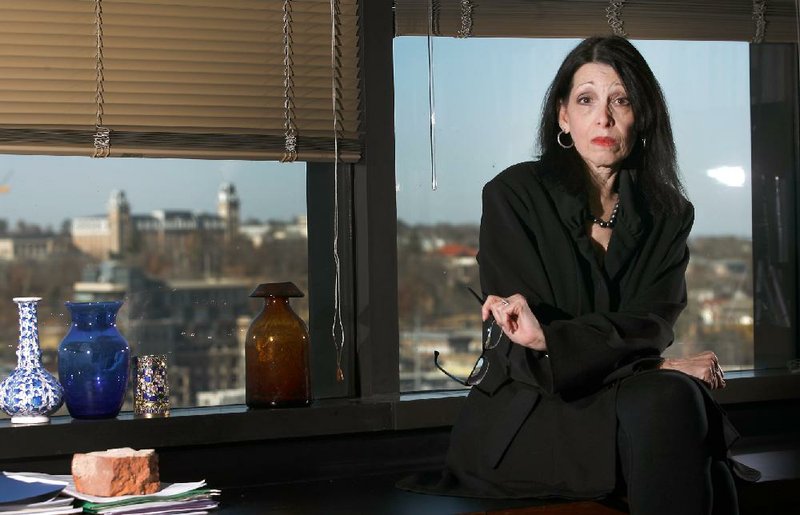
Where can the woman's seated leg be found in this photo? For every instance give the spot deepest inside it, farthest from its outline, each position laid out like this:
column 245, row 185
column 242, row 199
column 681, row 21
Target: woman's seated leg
column 663, row 449
column 726, row 501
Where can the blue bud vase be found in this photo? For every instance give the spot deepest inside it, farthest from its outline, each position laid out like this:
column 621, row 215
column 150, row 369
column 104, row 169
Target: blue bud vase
column 93, row 361
column 31, row 393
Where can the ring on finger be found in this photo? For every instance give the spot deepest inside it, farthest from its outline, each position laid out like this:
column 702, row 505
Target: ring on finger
column 504, row 301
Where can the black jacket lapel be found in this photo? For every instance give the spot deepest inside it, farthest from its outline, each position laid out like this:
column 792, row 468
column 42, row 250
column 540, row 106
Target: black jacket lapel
column 560, row 262
column 628, row 231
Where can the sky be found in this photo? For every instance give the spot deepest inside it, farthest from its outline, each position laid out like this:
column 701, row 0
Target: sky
column 48, row 189
column 488, row 93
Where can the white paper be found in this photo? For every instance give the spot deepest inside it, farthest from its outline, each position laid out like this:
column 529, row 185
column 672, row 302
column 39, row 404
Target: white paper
column 166, row 488
column 40, row 511
column 55, row 506
column 55, row 502
column 154, row 507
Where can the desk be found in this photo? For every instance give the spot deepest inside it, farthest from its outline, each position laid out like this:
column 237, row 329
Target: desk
column 377, row 495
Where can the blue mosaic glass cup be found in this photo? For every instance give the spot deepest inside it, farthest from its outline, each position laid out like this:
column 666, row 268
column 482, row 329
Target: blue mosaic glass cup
column 94, row 361
column 151, row 390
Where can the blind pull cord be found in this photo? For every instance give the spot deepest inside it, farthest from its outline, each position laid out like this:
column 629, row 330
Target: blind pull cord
column 289, row 126
column 759, row 11
column 102, row 135
column 433, row 26
column 465, row 31
column 335, row 86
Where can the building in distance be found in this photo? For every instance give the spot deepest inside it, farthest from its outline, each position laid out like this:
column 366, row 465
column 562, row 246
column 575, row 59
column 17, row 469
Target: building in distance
column 118, row 232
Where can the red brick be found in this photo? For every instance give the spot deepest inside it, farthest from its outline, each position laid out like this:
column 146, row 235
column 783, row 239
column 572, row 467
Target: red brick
column 116, row 472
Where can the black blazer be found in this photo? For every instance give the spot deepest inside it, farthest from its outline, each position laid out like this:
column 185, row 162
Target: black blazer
column 544, row 424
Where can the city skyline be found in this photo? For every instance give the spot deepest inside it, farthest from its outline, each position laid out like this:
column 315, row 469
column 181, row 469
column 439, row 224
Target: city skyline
column 47, row 190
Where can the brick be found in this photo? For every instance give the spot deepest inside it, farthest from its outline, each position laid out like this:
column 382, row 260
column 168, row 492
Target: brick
column 116, row 472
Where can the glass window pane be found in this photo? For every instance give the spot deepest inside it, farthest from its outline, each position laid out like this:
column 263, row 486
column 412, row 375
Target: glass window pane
column 182, row 242
column 487, row 99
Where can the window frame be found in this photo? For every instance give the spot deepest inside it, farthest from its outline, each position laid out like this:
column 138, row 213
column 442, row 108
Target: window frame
column 775, row 165
column 369, row 400
column 774, row 90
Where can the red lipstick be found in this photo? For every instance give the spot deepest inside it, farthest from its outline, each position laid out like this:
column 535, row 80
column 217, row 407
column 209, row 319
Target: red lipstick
column 604, row 141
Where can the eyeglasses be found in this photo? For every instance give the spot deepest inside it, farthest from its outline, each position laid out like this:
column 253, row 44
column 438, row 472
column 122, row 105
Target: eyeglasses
column 481, row 366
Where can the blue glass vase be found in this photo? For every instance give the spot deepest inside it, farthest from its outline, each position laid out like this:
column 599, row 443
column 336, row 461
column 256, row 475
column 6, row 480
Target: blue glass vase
column 31, row 393
column 94, row 361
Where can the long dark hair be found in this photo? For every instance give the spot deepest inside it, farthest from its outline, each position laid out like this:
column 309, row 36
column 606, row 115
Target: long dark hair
column 654, row 160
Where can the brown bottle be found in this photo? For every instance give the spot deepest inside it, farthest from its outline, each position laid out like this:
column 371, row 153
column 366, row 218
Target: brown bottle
column 276, row 351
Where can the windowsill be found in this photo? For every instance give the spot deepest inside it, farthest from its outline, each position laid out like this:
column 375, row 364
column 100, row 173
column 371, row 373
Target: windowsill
column 773, row 384
column 328, row 417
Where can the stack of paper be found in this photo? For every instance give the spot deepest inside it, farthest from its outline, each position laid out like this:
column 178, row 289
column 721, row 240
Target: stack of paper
column 183, row 498
column 175, row 498
column 34, row 497
column 56, row 506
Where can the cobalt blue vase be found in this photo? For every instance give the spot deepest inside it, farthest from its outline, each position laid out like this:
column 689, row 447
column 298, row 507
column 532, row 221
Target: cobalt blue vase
column 31, row 393
column 93, row 361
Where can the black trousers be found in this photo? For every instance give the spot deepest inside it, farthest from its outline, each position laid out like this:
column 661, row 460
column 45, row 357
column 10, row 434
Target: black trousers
column 664, row 455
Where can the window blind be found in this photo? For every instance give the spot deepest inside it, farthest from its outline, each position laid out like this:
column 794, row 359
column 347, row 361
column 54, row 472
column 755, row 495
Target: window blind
column 181, row 78
column 710, row 20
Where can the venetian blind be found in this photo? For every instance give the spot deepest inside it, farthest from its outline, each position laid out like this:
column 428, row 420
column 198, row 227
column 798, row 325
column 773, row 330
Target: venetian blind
column 711, row 20
column 182, row 78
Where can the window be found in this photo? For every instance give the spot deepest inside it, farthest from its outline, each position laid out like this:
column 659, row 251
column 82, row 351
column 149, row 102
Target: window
column 487, row 121
column 368, row 229
column 182, row 242
column 199, row 80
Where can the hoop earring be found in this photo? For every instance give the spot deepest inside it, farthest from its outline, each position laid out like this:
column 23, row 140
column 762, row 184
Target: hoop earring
column 558, row 139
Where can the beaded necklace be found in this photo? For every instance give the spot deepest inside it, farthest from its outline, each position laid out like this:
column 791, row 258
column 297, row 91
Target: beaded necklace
column 612, row 220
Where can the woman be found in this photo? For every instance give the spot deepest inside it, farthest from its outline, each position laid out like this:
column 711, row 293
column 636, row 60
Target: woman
column 582, row 258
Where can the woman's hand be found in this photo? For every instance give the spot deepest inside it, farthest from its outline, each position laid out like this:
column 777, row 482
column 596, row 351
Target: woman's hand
column 703, row 366
column 516, row 319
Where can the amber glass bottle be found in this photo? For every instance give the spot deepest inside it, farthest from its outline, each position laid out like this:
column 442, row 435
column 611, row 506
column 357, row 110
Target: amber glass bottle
column 276, row 351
